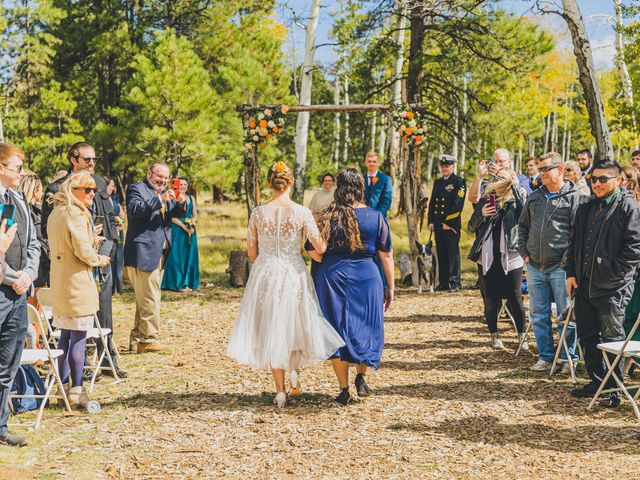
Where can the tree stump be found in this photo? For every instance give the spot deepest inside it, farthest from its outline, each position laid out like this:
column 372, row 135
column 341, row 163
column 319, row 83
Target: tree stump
column 238, row 268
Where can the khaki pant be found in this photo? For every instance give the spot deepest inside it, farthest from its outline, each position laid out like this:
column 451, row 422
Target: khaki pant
column 146, row 286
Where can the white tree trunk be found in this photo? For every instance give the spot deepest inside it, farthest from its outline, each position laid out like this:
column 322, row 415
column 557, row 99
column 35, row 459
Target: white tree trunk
column 627, row 86
column 456, row 131
column 347, row 135
column 382, row 139
column 463, row 133
column 588, row 78
column 393, row 158
column 302, row 122
column 374, row 126
column 335, row 157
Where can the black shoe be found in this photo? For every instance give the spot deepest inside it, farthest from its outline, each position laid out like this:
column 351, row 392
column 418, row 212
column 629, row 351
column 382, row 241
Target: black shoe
column 361, row 386
column 440, row 288
column 12, row 440
column 610, row 400
column 109, row 373
column 587, row 391
column 454, row 289
column 344, row 396
column 88, row 374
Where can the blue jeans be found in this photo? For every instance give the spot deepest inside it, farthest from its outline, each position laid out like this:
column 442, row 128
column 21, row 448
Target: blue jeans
column 544, row 288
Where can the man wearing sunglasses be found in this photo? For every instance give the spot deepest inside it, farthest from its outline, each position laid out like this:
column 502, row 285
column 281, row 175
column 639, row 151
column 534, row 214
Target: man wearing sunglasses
column 150, row 207
column 602, row 258
column 543, row 237
column 82, row 156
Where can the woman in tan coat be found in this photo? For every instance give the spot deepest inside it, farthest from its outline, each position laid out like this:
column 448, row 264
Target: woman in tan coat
column 73, row 244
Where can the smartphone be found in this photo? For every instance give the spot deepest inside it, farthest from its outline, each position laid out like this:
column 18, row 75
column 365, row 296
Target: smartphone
column 175, row 186
column 8, row 213
column 99, row 220
column 491, row 200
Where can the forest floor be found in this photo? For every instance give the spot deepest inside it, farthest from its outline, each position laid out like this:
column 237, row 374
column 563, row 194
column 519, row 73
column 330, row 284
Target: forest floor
column 443, row 405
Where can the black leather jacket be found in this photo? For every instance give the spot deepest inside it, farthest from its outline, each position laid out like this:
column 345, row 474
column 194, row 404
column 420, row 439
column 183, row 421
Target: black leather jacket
column 617, row 249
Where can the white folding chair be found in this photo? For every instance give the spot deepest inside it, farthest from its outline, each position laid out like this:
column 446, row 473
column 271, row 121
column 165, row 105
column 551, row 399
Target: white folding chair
column 563, row 344
column 505, row 315
column 49, row 357
column 626, row 349
column 100, row 334
column 44, row 298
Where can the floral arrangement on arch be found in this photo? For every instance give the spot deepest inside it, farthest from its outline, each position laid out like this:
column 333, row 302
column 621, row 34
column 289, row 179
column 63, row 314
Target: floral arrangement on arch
column 410, row 126
column 264, row 125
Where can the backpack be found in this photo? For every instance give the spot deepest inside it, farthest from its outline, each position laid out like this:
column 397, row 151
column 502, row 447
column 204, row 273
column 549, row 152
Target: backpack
column 27, row 382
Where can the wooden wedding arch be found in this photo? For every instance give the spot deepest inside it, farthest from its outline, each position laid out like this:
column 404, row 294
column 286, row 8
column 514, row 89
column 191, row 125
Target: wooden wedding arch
column 409, row 161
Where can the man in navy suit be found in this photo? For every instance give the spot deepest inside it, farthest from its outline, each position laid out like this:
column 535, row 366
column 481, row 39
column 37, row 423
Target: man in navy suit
column 377, row 186
column 150, row 208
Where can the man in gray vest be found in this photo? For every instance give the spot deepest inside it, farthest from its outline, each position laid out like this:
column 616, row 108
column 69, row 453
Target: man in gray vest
column 22, row 269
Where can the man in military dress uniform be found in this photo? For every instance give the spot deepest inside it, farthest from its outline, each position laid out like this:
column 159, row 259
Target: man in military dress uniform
column 445, row 208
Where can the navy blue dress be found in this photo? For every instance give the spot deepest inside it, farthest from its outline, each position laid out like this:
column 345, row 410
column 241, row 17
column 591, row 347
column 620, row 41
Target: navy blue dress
column 350, row 289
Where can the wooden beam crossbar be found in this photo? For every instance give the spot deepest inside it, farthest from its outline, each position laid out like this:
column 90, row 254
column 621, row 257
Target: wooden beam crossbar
column 372, row 107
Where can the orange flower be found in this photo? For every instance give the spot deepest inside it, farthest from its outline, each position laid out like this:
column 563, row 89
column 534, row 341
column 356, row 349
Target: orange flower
column 418, row 139
column 280, row 167
column 269, row 136
column 374, row 180
column 410, row 115
column 408, row 131
column 405, row 138
column 263, row 124
column 262, row 144
column 252, row 123
column 275, row 130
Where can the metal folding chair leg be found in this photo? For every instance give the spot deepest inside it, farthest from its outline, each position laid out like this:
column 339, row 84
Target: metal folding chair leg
column 105, row 354
column 562, row 344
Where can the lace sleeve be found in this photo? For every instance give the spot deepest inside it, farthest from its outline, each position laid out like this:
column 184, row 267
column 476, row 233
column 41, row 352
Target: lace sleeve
column 310, row 228
column 252, row 230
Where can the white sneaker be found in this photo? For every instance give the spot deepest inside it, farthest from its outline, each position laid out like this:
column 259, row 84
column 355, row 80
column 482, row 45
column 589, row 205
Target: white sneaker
column 496, row 342
column 280, row 400
column 541, row 366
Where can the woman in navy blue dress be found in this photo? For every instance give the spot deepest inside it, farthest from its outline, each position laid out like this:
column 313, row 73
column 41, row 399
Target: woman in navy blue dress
column 348, row 282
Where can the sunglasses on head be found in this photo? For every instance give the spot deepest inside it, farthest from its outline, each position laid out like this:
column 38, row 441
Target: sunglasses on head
column 87, row 190
column 547, row 169
column 600, row 179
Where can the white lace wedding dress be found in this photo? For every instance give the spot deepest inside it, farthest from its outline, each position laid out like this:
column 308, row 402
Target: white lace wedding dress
column 280, row 324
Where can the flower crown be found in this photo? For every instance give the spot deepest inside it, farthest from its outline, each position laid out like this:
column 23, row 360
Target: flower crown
column 280, row 167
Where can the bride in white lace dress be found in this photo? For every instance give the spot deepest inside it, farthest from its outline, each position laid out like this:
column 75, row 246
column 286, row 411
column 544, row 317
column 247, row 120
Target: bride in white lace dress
column 280, row 324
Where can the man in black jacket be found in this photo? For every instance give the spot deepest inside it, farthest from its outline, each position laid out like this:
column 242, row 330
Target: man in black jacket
column 82, row 156
column 602, row 258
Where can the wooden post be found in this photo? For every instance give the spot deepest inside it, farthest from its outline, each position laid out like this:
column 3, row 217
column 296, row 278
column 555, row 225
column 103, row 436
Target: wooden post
column 252, row 172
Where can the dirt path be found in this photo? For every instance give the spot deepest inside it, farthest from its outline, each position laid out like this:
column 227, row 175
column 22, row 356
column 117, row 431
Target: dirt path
column 444, row 405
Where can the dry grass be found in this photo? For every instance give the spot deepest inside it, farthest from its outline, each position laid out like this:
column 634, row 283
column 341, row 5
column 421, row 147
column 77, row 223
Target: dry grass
column 444, row 405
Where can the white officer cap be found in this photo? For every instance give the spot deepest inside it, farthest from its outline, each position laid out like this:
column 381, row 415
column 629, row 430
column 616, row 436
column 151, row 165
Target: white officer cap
column 447, row 159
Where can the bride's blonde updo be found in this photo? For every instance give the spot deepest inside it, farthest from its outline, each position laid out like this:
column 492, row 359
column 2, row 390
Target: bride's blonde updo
column 280, row 177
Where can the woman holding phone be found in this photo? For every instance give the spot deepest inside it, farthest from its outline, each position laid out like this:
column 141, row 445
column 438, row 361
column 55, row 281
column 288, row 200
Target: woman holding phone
column 495, row 221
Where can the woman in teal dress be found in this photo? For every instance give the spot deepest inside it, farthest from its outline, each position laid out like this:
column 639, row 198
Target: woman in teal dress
column 182, row 268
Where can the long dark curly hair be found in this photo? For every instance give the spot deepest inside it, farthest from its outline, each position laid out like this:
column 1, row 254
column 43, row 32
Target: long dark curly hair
column 340, row 214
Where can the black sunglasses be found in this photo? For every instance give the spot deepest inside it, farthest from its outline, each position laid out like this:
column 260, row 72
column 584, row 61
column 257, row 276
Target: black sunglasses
column 89, row 159
column 601, row 179
column 547, row 169
column 87, row 190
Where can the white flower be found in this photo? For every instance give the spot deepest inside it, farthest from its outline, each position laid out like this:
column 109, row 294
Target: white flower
column 255, row 138
column 260, row 116
column 271, row 124
column 281, row 122
column 252, row 131
column 412, row 123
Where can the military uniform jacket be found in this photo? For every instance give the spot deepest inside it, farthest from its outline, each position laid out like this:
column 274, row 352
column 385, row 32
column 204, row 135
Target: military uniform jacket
column 447, row 201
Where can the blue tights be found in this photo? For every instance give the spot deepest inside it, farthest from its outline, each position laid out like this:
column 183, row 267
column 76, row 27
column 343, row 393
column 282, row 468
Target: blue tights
column 73, row 343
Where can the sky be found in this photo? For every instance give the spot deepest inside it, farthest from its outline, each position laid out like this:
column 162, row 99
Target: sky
column 595, row 12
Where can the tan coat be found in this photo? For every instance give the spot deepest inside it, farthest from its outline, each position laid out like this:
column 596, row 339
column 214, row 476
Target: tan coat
column 73, row 256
